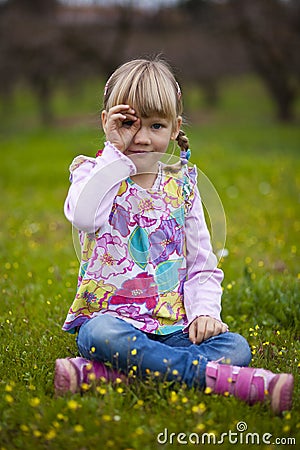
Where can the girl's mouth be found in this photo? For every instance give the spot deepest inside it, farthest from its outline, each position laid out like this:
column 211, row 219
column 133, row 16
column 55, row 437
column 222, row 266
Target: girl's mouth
column 136, row 151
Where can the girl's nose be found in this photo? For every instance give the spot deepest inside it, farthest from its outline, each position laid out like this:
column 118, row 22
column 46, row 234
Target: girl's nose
column 142, row 137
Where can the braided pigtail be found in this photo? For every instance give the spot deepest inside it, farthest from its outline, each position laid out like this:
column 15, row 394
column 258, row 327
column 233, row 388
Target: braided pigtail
column 183, row 143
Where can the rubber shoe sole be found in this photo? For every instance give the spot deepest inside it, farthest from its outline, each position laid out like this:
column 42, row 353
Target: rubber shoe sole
column 281, row 392
column 65, row 379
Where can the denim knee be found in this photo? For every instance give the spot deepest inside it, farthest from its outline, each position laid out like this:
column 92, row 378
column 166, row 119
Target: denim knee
column 96, row 333
column 106, row 337
column 242, row 353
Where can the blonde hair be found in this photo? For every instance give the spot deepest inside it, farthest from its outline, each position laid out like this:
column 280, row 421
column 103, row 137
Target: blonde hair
column 150, row 87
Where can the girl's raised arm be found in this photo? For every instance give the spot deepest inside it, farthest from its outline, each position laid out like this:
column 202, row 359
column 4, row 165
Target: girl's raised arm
column 95, row 183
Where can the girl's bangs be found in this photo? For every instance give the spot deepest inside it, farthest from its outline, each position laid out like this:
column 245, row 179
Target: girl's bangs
column 153, row 97
column 149, row 94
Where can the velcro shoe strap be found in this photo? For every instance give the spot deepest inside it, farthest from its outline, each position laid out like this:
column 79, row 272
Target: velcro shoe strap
column 223, row 376
column 243, row 383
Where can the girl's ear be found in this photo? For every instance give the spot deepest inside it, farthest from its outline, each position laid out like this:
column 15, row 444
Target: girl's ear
column 177, row 128
column 104, row 119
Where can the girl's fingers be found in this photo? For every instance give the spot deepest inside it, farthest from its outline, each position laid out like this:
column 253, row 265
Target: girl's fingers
column 204, row 327
column 130, row 117
column 116, row 117
column 123, row 109
column 224, row 328
column 121, row 124
column 123, row 117
column 118, row 108
column 193, row 332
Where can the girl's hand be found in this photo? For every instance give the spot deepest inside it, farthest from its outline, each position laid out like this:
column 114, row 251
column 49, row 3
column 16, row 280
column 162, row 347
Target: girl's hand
column 204, row 327
column 120, row 124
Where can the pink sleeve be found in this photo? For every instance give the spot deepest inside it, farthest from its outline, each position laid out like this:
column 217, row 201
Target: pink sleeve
column 95, row 183
column 202, row 289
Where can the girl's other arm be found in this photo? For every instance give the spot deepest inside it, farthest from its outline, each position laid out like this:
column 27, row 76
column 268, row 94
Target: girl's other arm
column 202, row 289
column 95, row 183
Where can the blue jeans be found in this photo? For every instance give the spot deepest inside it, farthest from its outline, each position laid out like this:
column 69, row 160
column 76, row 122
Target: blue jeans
column 109, row 339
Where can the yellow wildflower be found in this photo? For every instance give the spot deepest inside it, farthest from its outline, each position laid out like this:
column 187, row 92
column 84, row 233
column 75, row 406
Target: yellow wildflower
column 200, row 427
column 106, row 417
column 174, row 397
column 9, row 398
column 50, row 435
column 73, row 405
column 92, row 377
column 202, row 407
column 34, row 402
column 60, row 416
column 101, row 390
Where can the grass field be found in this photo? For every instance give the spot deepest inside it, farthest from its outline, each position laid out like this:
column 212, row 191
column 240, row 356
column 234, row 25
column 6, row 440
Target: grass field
column 254, row 164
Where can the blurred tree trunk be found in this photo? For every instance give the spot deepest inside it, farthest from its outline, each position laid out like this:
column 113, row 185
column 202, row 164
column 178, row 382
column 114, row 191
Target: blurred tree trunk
column 267, row 30
column 121, row 37
column 200, row 18
column 27, row 48
column 210, row 89
column 43, row 90
column 38, row 7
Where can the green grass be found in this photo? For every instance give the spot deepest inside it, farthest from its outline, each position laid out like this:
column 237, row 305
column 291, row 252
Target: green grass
column 253, row 163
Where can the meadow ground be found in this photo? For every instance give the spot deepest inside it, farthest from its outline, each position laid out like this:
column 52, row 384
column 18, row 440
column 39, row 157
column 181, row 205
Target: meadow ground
column 253, row 163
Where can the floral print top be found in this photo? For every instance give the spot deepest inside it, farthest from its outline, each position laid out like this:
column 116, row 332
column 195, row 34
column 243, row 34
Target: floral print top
column 134, row 261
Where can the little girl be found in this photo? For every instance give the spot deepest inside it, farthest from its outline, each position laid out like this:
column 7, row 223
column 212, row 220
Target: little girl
column 149, row 290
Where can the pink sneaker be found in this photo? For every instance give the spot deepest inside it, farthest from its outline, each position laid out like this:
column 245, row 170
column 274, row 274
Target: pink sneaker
column 251, row 385
column 71, row 373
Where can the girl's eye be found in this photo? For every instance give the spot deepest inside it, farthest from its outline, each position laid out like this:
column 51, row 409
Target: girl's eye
column 127, row 123
column 157, row 126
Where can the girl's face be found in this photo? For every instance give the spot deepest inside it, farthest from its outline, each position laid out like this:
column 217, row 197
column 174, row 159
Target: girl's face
column 153, row 136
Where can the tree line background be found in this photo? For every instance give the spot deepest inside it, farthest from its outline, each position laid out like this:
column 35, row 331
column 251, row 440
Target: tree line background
column 44, row 43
